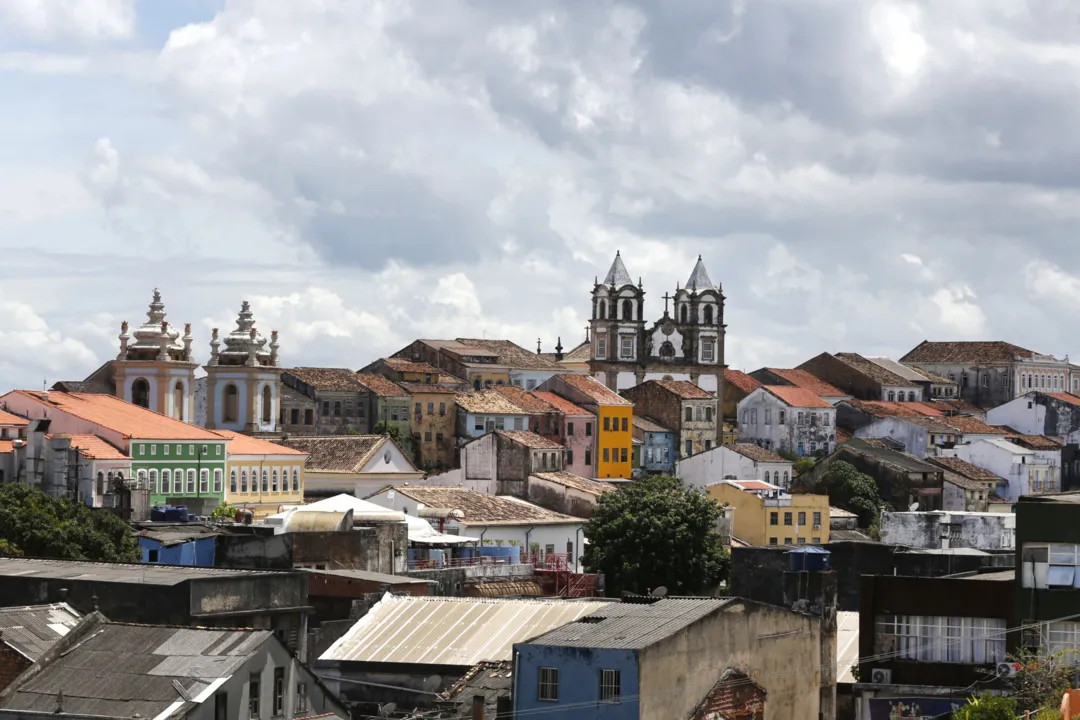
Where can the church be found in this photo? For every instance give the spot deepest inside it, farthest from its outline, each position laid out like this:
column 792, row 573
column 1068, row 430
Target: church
column 687, row 340
column 155, row 369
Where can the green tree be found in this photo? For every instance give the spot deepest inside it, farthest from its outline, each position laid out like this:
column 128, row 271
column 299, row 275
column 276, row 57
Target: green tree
column 851, row 490
column 223, row 512
column 803, row 466
column 39, row 525
column 1041, row 679
column 403, row 442
column 656, row 532
column 987, row 707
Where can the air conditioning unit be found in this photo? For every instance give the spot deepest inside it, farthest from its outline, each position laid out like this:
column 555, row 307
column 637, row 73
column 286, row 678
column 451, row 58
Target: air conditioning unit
column 1005, row 669
column 881, row 676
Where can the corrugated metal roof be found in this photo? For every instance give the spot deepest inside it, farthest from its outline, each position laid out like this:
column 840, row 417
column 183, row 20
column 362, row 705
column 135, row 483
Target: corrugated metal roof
column 632, row 625
column 451, row 631
column 141, row 574
column 32, row 630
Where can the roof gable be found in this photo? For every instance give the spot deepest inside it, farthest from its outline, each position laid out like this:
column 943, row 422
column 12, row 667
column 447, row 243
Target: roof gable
column 966, row 351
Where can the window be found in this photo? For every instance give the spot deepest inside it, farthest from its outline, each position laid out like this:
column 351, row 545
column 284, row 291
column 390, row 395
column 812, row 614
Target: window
column 601, row 347
column 221, row 706
column 438, row 436
column 787, row 518
column 279, row 691
column 165, row 450
column 243, row 481
column 801, row 419
column 607, row 457
column 699, row 413
column 543, row 460
column 500, row 423
column 766, row 476
column 309, row 416
column 774, row 518
column 627, row 310
column 817, row 520
column 977, row 641
column 772, row 541
column 253, row 695
column 166, row 481
column 478, row 423
column 610, row 686
column 708, row 314
column 1064, row 638
column 569, row 428
column 787, row 541
column 801, row 541
column 588, row 458
column 232, row 482
column 267, row 404
column 627, row 347
column 689, row 448
column 301, row 697
column 708, row 414
column 152, row 556
column 986, row 381
column 153, row 482
column 431, row 408
column 768, row 416
column 622, row 453
column 825, row 419
column 442, row 409
column 707, row 351
column 427, row 436
column 911, row 397
column 274, row 486
column 588, row 429
column 781, row 416
column 787, row 479
column 190, row 482
column 1048, row 565
column 549, row 684
column 802, row 518
column 230, row 411
column 625, row 424
column 296, row 479
column 218, row 475
column 140, row 393
column 892, row 396
column 813, row 446
column 689, row 414
column 265, row 481
column 569, row 457
column 753, row 416
column 708, row 444
column 607, row 424
column 416, row 409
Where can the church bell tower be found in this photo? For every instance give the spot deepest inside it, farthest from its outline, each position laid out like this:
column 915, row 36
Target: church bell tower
column 243, row 379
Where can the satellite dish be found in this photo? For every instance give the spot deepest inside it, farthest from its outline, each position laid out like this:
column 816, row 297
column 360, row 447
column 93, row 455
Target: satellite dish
column 432, row 683
column 913, row 507
column 659, row 592
column 386, row 709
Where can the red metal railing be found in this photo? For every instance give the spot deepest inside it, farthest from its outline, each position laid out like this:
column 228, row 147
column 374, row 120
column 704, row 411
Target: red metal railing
column 542, row 561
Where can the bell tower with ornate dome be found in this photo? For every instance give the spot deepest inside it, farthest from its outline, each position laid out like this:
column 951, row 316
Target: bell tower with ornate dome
column 243, row 380
column 156, row 371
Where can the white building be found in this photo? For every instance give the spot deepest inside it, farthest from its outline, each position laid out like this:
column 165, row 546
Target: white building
column 492, row 519
column 949, row 530
column 741, row 461
column 1038, row 413
column 1026, row 472
column 787, row 418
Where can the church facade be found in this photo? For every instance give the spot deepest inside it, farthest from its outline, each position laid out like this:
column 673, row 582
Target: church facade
column 688, row 339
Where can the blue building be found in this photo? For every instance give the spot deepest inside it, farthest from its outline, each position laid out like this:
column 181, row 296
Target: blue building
column 657, row 659
column 181, row 544
column 657, row 446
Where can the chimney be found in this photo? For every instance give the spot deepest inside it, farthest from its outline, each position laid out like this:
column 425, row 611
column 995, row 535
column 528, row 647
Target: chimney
column 478, row 707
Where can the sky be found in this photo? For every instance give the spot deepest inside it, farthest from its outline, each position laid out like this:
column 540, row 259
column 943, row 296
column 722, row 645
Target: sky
column 859, row 176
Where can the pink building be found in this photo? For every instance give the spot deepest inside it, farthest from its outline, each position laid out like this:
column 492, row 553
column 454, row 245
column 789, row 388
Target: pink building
column 577, row 432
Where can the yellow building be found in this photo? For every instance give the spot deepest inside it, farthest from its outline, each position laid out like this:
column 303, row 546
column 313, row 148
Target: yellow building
column 262, row 475
column 614, row 420
column 766, row 515
column 434, row 418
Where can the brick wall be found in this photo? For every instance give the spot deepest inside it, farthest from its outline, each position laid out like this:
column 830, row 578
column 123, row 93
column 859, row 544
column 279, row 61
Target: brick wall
column 652, row 400
column 12, row 664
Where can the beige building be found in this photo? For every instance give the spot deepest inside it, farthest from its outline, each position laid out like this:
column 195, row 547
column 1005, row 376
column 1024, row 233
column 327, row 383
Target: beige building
column 262, row 475
column 764, row 514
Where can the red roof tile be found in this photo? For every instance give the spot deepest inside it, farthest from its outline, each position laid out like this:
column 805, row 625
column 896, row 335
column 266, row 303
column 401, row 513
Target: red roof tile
column 796, row 396
column 410, row 366
column 8, row 419
column 961, row 352
column 524, row 400
column 380, row 385
column 806, row 381
column 530, row 439
column 882, row 408
column 1066, row 397
column 752, row 485
column 122, row 417
column 93, row 447
column 756, row 453
column 7, row 446
column 594, row 389
column 561, row 404
column 741, row 380
column 684, row 389
column 969, row 425
column 240, row 444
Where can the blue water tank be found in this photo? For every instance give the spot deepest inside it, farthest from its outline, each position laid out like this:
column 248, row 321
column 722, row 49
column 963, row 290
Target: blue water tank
column 157, row 514
column 809, row 558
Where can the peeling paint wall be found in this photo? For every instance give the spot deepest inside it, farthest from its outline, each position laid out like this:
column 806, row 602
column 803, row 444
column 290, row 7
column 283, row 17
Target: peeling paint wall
column 934, row 530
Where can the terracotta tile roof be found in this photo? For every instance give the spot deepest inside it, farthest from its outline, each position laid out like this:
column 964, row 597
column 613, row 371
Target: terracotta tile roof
column 806, row 381
column 962, row 352
column 410, row 366
column 240, row 444
column 969, row 425
column 751, row 484
column 964, row 469
column 530, row 439
column 882, row 443
column 336, row 454
column 7, row 446
column 432, row 388
column 882, row 408
column 380, row 385
column 842, row 436
column 1034, row 442
column 327, row 379
column 92, row 447
column 684, row 389
column 649, row 425
column 796, row 396
column 756, row 453
column 995, row 498
column 9, row 420
column 561, row 404
column 487, row 402
column 963, row 482
column 593, row 487
column 957, row 405
column 130, row 421
column 741, row 380
column 1066, row 398
column 594, row 389
column 482, row 509
column 933, row 377
column 582, row 352
column 293, row 396
column 873, row 371
column 525, row 400
column 512, row 355
column 932, row 424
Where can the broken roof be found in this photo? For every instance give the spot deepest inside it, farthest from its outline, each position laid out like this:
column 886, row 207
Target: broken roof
column 883, row 408
column 796, row 397
column 240, row 444
column 649, row 425
column 410, row 366
column 525, row 400
column 481, row 508
column 337, row 453
column 32, row 630
column 966, row 352
column 380, row 385
column 972, row 426
column 1034, row 442
column 414, row 630
column 91, row 447
column 10, row 420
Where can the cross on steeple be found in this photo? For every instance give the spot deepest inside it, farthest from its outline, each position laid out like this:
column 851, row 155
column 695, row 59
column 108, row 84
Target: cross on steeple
column 667, row 296
column 587, row 328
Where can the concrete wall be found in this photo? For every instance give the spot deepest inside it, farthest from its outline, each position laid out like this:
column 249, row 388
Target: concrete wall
column 778, row 646
column 1039, row 414
column 969, row 377
column 452, row 581
column 560, row 498
column 933, row 530
column 914, row 438
column 375, row 549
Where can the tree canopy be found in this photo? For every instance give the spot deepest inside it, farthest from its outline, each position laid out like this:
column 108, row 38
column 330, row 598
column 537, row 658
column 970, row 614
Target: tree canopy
column 851, row 490
column 39, row 525
column 656, row 532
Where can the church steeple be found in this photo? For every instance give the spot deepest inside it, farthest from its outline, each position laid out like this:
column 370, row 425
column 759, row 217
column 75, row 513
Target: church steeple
column 617, row 275
column 699, row 278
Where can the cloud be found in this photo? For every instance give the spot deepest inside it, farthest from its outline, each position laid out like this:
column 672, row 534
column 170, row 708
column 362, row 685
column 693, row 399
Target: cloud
column 80, row 20
column 1046, row 281
column 29, row 347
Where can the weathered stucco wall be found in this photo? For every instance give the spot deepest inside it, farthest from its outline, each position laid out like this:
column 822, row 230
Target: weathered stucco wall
column 933, row 530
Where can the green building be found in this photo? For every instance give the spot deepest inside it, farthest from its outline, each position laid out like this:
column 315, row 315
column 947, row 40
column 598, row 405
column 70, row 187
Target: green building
column 182, row 472
column 1047, row 600
column 388, row 402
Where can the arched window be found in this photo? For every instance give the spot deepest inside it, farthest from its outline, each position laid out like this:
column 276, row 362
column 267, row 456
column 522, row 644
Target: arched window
column 141, row 475
column 689, row 414
column 708, row 314
column 274, row 487
column 268, row 405
column 218, row 474
column 265, row 481
column 708, row 413
column 230, row 411
column 611, row 310
column 153, row 482
column 601, row 309
column 101, row 482
column 166, row 482
column 786, row 478
column 627, row 309
column 766, row 476
column 178, row 401
column 892, row 396
column 243, row 481
column 140, row 392
column 911, row 396
column 232, row 481
column 684, row 315
column 296, row 481
column 337, row 407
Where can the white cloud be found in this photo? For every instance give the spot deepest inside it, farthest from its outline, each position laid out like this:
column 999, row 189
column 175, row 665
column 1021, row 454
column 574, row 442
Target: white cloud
column 55, row 20
column 29, row 347
column 959, row 313
column 1047, row 281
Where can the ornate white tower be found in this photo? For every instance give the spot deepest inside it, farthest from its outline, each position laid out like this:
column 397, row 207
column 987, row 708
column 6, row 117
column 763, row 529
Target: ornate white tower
column 243, row 380
column 156, row 371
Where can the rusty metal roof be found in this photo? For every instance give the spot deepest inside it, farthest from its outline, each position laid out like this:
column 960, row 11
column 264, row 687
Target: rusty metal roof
column 451, row 631
column 32, row 630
